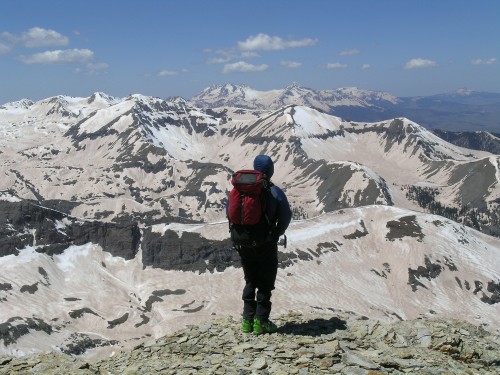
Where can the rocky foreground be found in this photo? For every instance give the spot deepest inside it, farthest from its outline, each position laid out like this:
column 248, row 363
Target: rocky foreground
column 304, row 344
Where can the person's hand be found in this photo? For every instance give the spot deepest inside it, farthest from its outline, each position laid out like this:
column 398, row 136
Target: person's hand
column 275, row 237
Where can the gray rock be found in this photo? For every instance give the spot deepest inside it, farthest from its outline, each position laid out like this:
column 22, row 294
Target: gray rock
column 356, row 359
column 260, row 364
column 363, row 347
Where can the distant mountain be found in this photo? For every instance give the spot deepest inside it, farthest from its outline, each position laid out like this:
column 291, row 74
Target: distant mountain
column 457, row 111
column 474, row 140
column 113, row 227
column 462, row 110
column 328, row 101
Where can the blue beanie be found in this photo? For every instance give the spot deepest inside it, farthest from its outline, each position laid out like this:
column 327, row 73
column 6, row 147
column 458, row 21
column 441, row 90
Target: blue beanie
column 264, row 164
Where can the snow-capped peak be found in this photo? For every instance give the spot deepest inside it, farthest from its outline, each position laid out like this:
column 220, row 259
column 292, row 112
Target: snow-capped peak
column 326, row 100
column 20, row 104
column 367, row 94
column 293, row 85
column 100, row 97
column 463, row 91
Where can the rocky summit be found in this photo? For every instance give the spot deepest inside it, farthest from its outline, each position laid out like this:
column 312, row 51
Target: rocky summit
column 313, row 343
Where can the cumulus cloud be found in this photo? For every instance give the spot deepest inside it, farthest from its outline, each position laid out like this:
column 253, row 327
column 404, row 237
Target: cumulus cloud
column 264, row 42
column 349, row 52
column 336, row 66
column 291, row 64
column 242, row 66
column 68, row 56
column 365, row 66
column 36, row 37
column 484, row 62
column 420, row 63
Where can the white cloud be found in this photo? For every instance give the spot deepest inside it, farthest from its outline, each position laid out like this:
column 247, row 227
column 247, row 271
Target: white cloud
column 98, row 65
column 365, row 66
column 220, row 51
column 420, row 63
column 249, row 54
column 349, row 52
column 484, row 62
column 36, row 37
column 264, row 42
column 336, row 66
column 167, row 73
column 218, row 60
column 68, row 56
column 242, row 66
column 8, row 37
column 230, row 55
column 4, row 48
column 92, row 69
column 291, row 64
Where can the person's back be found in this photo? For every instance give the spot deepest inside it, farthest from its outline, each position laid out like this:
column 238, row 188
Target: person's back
column 260, row 263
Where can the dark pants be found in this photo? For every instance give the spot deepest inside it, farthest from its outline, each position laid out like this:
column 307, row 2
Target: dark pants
column 260, row 266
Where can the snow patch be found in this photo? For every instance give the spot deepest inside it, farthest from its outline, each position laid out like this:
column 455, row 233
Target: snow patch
column 5, row 196
column 308, row 232
column 311, row 122
column 25, row 256
column 68, row 260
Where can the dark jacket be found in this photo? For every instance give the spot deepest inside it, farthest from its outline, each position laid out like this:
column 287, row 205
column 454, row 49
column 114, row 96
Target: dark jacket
column 277, row 206
column 277, row 209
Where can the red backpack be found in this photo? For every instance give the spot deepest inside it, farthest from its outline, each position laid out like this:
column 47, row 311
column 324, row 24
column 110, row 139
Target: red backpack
column 248, row 222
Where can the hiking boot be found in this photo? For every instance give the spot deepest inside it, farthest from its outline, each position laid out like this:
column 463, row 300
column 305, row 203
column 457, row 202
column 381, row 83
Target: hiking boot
column 260, row 327
column 247, row 325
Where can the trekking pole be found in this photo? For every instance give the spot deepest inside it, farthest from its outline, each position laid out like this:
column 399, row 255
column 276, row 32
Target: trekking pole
column 283, row 241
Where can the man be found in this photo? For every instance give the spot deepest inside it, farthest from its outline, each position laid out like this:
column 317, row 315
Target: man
column 260, row 263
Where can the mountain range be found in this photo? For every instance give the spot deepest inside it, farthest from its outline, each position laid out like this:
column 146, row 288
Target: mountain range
column 113, row 226
column 462, row 110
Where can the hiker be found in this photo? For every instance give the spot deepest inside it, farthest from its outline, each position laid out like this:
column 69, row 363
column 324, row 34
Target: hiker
column 259, row 252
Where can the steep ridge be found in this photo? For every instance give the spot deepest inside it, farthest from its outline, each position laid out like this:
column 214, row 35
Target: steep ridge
column 473, row 140
column 408, row 157
column 118, row 151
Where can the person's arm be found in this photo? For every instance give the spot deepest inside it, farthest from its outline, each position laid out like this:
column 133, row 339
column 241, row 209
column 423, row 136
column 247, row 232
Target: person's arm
column 283, row 212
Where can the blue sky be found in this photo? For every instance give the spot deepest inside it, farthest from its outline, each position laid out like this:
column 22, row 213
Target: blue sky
column 177, row 48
